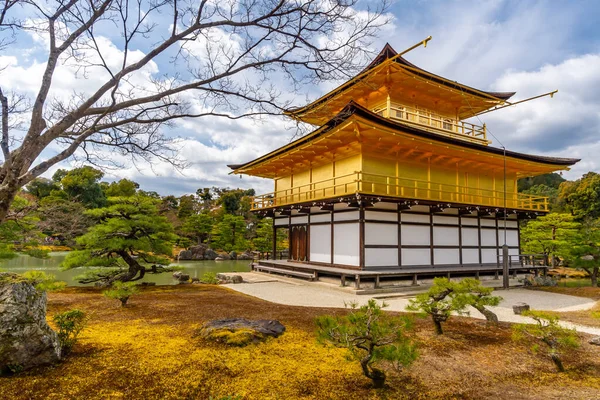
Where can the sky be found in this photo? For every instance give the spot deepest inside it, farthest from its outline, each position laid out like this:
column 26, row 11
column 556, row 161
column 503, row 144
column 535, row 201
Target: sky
column 530, row 47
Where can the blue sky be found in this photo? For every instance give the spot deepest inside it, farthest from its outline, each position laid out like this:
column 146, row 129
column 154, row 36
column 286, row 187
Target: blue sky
column 530, row 47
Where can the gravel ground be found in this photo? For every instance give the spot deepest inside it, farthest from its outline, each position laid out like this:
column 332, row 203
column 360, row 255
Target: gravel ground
column 315, row 294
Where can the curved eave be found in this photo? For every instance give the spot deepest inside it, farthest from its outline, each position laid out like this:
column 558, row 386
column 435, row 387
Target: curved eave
column 354, row 109
column 385, row 55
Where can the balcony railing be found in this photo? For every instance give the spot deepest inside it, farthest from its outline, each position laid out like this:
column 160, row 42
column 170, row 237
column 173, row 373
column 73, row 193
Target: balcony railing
column 437, row 123
column 391, row 186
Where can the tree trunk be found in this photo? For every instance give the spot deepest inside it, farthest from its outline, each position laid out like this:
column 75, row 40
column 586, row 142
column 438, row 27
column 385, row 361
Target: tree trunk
column 558, row 362
column 594, row 276
column 8, row 191
column 438, row 326
column 134, row 269
column 489, row 315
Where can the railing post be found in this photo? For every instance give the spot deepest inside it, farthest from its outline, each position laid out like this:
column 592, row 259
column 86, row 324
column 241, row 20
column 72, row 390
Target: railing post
column 505, row 265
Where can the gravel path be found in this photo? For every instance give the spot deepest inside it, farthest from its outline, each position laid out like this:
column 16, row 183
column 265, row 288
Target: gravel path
column 315, row 294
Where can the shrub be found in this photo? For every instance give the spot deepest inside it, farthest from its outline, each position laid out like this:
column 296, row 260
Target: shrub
column 121, row 291
column 43, row 282
column 371, row 336
column 210, row 278
column 70, row 324
column 547, row 331
column 37, row 253
column 531, row 280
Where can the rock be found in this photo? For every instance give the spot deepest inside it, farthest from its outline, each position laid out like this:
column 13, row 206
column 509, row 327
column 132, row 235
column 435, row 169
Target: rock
column 198, row 252
column 147, row 284
column 26, row 340
column 219, row 259
column 595, row 341
column 520, row 307
column 181, row 277
column 185, row 255
column 246, row 256
column 240, row 331
column 194, row 279
column 233, row 255
column 227, row 278
column 224, row 256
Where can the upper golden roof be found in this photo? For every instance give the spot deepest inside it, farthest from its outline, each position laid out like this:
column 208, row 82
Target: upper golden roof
column 389, row 77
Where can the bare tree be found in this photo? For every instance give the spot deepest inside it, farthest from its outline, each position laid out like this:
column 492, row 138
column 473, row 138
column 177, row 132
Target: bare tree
column 224, row 58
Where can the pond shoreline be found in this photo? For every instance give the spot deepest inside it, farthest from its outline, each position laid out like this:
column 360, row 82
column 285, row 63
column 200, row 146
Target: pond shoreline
column 51, row 265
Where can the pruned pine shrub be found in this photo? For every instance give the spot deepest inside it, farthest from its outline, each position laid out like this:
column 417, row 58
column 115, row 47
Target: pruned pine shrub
column 121, row 291
column 69, row 324
column 549, row 337
column 209, row 278
column 371, row 337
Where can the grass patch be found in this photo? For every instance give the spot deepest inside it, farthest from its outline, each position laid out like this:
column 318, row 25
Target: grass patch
column 148, row 351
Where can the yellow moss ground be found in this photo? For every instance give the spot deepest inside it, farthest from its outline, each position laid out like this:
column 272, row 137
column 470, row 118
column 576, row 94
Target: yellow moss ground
column 148, row 351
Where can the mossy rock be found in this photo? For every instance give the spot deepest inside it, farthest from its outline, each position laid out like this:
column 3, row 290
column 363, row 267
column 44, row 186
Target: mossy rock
column 240, row 332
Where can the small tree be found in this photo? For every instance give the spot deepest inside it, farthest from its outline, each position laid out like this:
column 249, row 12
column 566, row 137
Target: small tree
column 43, row 282
column 439, row 303
column 371, row 336
column 547, row 330
column 70, row 324
column 479, row 297
column 121, row 291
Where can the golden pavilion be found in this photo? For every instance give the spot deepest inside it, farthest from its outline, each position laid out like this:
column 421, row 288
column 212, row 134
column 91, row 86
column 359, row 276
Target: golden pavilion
column 395, row 181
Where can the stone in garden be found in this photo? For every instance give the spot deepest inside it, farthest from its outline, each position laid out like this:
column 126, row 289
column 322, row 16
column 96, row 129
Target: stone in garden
column 26, row 340
column 223, row 256
column 194, row 279
column 519, row 308
column 233, row 255
column 240, row 331
column 181, row 277
column 148, row 284
column 198, row 252
column 246, row 256
column 228, row 278
column 595, row 341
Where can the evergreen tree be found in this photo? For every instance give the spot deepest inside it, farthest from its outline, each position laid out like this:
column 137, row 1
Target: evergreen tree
column 553, row 235
column 129, row 240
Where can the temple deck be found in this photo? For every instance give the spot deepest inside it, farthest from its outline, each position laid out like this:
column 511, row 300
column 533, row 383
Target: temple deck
column 312, row 271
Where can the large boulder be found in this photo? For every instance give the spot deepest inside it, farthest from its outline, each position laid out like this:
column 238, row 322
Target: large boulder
column 223, row 256
column 229, row 278
column 181, row 277
column 247, row 255
column 240, row 331
column 26, row 340
column 198, row 252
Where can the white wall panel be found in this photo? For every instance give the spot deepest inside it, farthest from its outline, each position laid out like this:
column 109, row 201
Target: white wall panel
column 416, row 257
column 300, row 219
column 470, row 236
column 320, row 218
column 282, row 221
column 470, row 256
column 510, row 224
column 469, row 221
column 381, row 257
column 320, row 243
column 381, row 216
column 512, row 237
column 346, row 244
column 488, row 222
column 489, row 256
column 440, row 219
column 445, row 236
column 420, row 208
column 345, row 216
column 381, row 233
column 416, row 235
column 488, row 237
column 408, row 217
column 446, row 256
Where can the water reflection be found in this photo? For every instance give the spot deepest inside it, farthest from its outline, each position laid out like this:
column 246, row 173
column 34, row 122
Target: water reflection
column 51, row 265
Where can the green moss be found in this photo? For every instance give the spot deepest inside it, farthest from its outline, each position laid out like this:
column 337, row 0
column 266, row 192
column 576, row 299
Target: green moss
column 240, row 337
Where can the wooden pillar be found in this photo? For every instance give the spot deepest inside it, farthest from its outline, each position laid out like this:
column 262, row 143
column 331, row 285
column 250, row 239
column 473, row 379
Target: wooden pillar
column 415, row 281
column 343, row 280
column 357, row 281
column 361, row 237
column 274, row 257
column 376, row 281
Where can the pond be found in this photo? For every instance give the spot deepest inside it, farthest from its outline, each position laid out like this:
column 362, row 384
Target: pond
column 51, row 265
